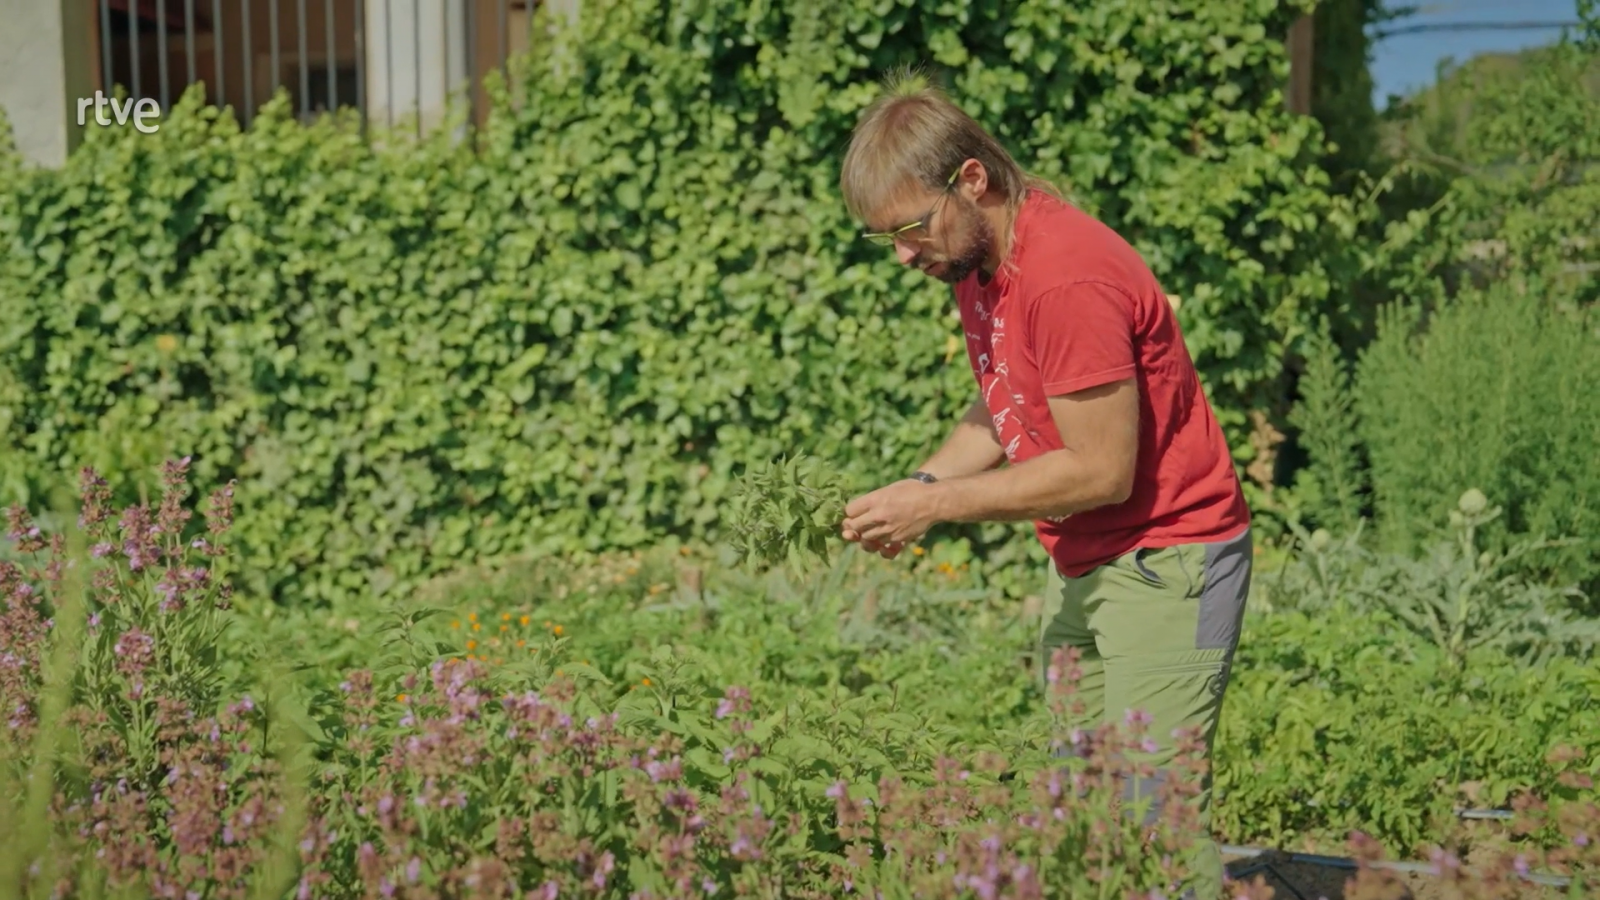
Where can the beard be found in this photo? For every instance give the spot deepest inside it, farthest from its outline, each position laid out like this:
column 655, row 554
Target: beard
column 971, row 255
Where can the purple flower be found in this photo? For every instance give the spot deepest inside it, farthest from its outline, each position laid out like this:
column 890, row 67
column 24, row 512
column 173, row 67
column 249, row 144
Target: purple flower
column 101, row 549
column 413, row 870
column 136, row 649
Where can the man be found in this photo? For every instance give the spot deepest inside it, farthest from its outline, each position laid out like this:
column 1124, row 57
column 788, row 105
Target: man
column 1087, row 390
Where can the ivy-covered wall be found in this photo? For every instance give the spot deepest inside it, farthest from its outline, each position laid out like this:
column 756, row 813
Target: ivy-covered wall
column 642, row 278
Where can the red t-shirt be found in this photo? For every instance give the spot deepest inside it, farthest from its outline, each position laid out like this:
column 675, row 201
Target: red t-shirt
column 1077, row 307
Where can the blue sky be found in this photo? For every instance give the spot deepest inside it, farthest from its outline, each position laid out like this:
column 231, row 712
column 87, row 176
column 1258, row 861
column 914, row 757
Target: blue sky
column 1403, row 63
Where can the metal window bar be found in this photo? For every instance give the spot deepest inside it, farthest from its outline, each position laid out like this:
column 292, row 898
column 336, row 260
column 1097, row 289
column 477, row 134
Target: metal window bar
column 445, row 48
column 220, row 90
column 361, row 62
column 328, row 42
column 472, row 60
column 188, row 39
column 388, row 63
column 416, row 69
column 245, row 55
column 161, row 49
column 134, row 27
column 444, row 29
column 108, row 72
column 272, row 26
column 305, row 64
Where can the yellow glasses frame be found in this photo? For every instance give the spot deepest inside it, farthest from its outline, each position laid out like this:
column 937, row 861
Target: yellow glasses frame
column 887, row 238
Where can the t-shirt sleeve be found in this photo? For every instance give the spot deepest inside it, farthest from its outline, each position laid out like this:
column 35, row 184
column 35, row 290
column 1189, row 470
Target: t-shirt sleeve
column 1082, row 336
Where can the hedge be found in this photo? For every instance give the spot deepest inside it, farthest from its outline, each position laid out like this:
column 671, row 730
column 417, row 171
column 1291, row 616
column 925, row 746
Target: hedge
column 572, row 332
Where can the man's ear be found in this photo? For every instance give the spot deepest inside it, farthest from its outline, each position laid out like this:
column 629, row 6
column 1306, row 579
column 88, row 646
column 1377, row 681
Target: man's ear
column 973, row 180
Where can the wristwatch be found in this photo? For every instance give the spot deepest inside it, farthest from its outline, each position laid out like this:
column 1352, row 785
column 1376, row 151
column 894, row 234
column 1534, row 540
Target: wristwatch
column 923, row 477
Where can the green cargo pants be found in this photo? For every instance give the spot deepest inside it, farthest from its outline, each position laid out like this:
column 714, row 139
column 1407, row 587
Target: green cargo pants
column 1157, row 629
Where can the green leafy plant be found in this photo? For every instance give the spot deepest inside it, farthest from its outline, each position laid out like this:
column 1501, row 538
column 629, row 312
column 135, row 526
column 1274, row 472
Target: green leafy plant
column 787, row 511
column 1455, row 593
column 1330, row 490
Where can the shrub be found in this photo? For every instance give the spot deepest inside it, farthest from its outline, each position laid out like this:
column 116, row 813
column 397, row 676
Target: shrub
column 1498, row 389
column 573, row 332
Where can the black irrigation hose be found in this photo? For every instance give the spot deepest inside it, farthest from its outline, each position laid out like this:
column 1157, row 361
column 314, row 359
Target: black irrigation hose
column 1342, row 862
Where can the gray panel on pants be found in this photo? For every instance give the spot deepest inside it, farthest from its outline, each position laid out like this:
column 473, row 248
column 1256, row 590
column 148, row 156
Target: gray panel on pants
column 1224, row 588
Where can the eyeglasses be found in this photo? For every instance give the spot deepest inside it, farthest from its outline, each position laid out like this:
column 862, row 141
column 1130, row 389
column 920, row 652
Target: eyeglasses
column 907, row 231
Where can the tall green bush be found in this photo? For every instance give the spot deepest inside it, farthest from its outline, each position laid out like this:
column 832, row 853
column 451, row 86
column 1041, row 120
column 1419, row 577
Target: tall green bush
column 1500, row 391
column 640, row 279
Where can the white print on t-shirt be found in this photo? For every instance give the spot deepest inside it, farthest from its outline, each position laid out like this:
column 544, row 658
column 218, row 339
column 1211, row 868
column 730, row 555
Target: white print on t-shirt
column 983, row 364
column 1000, row 418
column 1011, row 448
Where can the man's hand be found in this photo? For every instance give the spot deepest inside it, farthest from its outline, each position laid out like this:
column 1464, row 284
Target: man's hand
column 887, row 551
column 890, row 516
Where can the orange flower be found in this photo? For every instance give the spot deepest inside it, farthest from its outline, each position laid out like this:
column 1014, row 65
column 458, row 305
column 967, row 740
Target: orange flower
column 472, row 617
column 645, row 682
column 523, row 620
column 557, row 629
column 505, row 617
column 472, row 645
column 401, row 698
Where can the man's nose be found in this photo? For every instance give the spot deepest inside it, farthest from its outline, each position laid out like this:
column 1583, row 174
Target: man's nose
column 905, row 252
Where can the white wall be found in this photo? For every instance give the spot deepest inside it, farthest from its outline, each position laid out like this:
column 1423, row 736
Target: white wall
column 43, row 73
column 420, row 43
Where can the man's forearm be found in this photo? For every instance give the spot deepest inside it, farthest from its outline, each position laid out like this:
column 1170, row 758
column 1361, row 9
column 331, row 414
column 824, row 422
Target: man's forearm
column 972, row 447
column 1052, row 485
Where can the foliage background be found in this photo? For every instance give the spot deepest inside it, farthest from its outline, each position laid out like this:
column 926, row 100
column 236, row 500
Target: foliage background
column 573, row 335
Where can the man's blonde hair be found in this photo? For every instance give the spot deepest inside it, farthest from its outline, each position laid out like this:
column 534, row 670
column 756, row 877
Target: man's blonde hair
column 914, row 135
